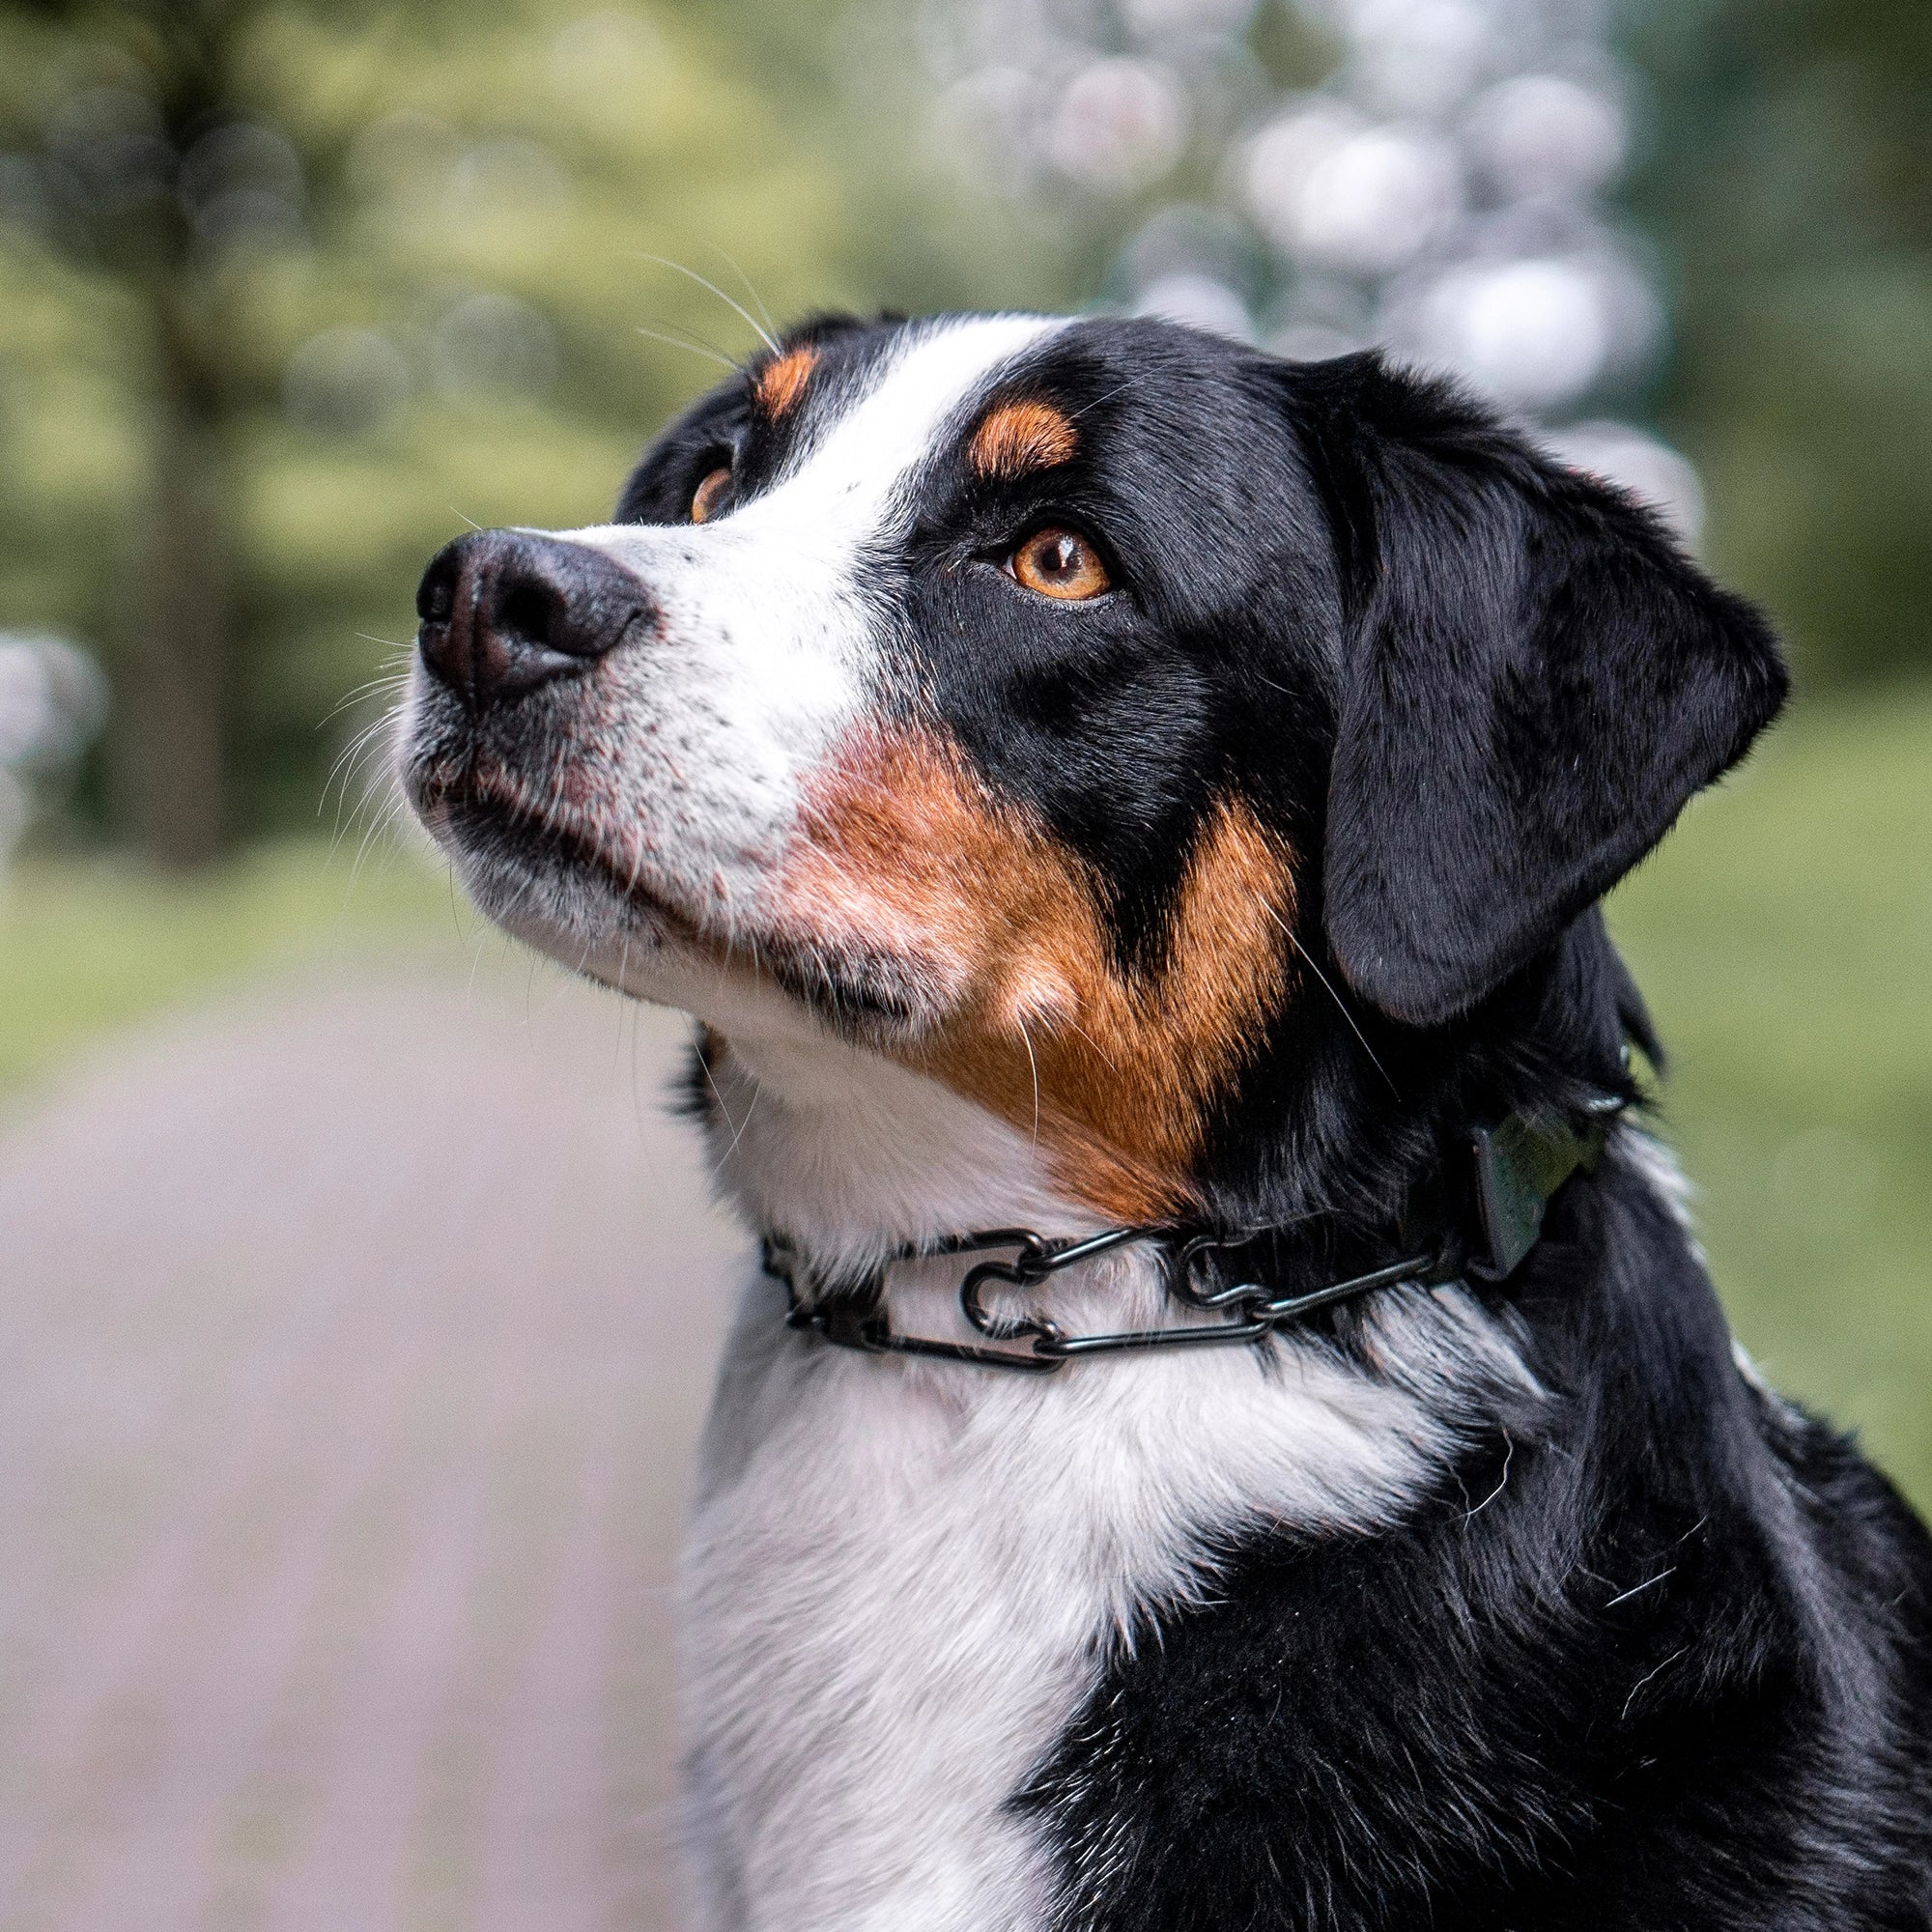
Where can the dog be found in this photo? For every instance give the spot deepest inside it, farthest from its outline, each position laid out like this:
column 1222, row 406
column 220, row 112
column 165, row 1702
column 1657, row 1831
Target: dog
column 1231, row 1428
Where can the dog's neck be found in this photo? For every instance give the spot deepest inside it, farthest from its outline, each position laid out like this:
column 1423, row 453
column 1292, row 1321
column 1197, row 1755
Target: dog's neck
column 854, row 1158
column 859, row 1172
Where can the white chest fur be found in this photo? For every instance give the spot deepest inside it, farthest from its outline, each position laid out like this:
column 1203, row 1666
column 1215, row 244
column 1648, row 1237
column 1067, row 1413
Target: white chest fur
column 902, row 1579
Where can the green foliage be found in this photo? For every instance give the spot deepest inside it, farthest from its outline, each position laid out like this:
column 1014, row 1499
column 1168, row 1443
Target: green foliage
column 456, row 334
column 1790, row 183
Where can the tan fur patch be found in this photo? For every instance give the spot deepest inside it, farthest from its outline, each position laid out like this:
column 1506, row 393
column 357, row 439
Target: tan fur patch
column 1015, row 438
column 780, row 382
column 908, row 853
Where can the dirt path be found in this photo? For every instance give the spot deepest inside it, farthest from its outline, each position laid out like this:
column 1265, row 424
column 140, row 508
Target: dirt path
column 351, row 1350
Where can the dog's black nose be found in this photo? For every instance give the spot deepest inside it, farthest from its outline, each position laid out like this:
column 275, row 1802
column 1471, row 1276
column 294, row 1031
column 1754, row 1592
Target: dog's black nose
column 505, row 611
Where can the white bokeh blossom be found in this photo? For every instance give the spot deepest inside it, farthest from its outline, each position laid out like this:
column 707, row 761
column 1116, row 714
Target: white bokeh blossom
column 1444, row 193
column 53, row 700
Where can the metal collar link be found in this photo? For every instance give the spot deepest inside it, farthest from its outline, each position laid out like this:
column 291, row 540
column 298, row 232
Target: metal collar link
column 857, row 1320
column 1515, row 1169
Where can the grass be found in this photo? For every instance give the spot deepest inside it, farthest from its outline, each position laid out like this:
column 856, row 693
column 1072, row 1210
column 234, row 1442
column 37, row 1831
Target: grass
column 1783, row 936
column 88, row 948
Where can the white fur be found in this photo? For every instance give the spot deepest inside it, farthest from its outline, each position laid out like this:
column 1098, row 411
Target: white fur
column 904, row 1578
column 1658, row 1167
column 694, row 744
column 854, row 1156
column 689, row 754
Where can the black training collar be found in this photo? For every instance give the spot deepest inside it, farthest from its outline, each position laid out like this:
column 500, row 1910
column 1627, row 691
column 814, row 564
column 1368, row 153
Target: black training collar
column 1515, row 1169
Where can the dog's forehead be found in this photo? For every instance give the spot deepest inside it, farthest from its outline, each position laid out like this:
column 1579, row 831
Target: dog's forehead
column 869, row 428
column 868, row 420
column 830, row 437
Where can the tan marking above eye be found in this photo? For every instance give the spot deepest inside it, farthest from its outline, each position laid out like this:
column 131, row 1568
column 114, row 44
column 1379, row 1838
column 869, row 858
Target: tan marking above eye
column 1060, row 563
column 1018, row 438
column 706, row 499
column 780, row 382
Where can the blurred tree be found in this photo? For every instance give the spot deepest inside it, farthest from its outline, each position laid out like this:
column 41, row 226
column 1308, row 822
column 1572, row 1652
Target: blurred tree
column 288, row 292
column 141, row 184
column 1790, row 181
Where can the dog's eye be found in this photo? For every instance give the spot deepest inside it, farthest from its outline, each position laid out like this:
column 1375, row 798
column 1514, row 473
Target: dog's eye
column 709, row 494
column 1059, row 563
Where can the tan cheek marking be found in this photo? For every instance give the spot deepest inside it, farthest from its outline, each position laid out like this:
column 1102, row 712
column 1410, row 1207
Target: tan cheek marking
column 781, row 382
column 907, row 852
column 1016, row 438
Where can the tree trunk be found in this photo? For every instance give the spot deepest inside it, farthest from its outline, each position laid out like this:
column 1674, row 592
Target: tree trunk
column 172, row 708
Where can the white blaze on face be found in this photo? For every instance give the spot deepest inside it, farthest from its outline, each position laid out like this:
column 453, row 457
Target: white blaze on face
column 768, row 645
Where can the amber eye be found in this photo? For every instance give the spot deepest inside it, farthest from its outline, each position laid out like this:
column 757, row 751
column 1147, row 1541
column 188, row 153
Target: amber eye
column 1058, row 563
column 706, row 499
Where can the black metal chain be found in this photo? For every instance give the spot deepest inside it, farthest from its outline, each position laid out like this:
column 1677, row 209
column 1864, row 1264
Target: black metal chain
column 1516, row 1168
column 857, row 1320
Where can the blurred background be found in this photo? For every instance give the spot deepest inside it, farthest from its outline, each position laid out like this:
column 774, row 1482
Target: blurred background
column 355, row 1299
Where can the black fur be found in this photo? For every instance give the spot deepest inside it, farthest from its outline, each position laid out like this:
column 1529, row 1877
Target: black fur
column 1536, row 681
column 1660, row 1654
column 1467, row 688
column 1658, row 1658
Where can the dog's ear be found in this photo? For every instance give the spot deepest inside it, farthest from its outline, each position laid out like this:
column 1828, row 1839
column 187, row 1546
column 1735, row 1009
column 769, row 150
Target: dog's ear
column 1534, row 681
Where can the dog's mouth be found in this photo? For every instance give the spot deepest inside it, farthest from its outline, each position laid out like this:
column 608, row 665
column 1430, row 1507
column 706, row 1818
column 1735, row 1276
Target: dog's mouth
column 487, row 815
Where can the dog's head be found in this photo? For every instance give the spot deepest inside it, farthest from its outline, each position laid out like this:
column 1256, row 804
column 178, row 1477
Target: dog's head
column 1122, row 731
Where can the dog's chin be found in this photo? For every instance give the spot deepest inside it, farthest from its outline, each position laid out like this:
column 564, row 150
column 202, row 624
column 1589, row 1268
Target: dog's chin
column 559, row 887
column 538, row 871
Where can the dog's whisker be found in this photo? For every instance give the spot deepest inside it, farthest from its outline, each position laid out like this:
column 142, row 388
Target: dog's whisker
column 1033, row 1064
column 1341, row 1005
column 757, row 300
column 750, row 321
column 692, row 347
column 389, row 682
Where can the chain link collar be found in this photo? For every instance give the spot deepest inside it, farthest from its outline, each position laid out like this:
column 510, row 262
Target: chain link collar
column 1517, row 1167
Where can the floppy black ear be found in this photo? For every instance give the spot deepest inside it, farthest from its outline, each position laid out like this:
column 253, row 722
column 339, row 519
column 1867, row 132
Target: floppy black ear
column 1534, row 681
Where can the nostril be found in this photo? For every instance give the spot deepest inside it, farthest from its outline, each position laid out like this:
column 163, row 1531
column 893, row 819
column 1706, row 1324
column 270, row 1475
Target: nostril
column 436, row 594
column 527, row 612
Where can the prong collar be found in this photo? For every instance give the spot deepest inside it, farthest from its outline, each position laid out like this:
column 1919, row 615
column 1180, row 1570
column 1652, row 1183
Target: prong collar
column 1515, row 1169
